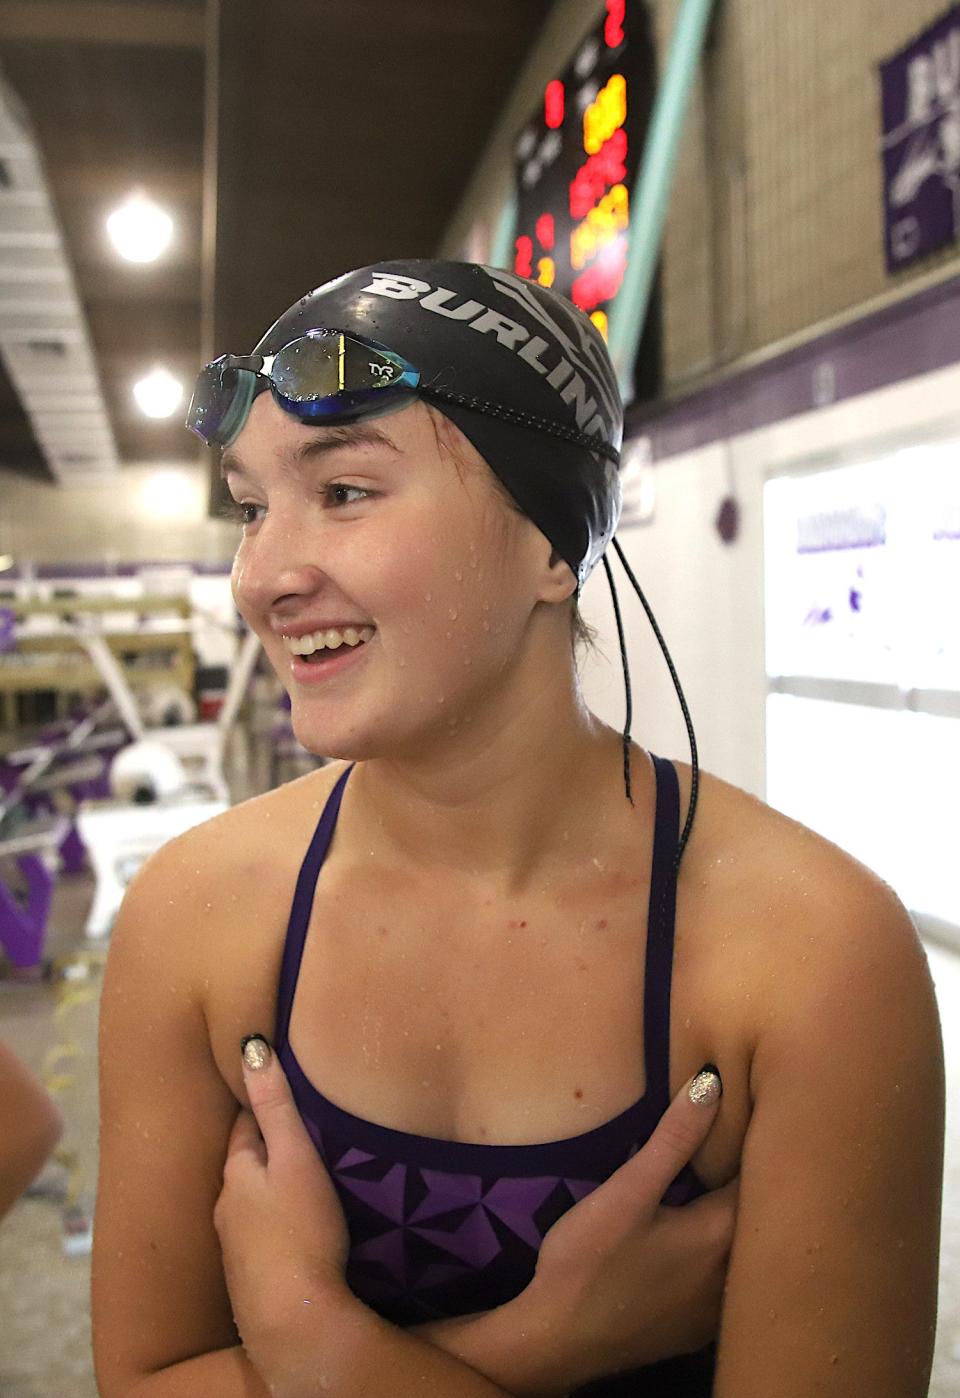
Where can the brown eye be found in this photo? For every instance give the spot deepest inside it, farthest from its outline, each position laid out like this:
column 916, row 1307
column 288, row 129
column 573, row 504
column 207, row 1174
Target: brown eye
column 338, row 485
column 239, row 511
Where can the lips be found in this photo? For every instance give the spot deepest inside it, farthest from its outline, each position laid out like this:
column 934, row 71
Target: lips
column 307, row 671
column 317, row 657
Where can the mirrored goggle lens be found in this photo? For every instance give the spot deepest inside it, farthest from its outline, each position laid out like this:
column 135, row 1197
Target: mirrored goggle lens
column 220, row 402
column 325, row 371
column 211, row 398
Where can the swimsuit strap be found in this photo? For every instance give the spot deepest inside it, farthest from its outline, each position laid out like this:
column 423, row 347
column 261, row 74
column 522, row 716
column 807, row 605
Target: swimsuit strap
column 660, row 924
column 302, row 905
column 661, row 920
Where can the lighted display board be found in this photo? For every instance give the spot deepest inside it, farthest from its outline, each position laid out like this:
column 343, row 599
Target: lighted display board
column 862, row 568
column 576, row 159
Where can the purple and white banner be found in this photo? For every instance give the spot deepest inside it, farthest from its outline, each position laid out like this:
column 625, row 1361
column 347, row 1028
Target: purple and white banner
column 920, row 89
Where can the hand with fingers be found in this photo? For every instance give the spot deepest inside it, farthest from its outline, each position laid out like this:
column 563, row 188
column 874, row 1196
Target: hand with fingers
column 282, row 1231
column 622, row 1280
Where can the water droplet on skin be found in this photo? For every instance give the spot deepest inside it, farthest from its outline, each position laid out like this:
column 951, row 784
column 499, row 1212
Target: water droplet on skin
column 686, row 1024
column 428, row 596
column 453, row 614
column 486, row 626
column 458, row 575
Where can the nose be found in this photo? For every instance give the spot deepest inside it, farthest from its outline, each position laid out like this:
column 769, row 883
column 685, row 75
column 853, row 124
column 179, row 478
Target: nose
column 279, row 560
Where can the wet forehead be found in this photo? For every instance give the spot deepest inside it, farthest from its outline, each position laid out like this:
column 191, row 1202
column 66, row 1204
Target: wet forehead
column 313, row 444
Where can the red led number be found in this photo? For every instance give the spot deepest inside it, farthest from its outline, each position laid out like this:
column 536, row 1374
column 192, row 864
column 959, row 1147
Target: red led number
column 613, row 27
column 523, row 262
column 553, row 104
column 545, row 231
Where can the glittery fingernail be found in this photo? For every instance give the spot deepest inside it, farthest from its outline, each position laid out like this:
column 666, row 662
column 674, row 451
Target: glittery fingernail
column 706, row 1086
column 255, row 1050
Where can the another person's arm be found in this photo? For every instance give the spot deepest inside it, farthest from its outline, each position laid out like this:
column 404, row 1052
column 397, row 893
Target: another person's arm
column 832, row 1283
column 30, row 1127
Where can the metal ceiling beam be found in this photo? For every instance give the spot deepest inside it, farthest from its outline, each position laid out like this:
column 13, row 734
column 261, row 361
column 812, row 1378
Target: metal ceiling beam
column 101, row 22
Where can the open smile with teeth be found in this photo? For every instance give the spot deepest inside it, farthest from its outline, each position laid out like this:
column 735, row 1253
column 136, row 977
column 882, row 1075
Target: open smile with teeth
column 327, row 640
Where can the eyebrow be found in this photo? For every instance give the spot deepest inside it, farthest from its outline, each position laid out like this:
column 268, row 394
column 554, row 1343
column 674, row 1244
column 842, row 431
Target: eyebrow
column 351, row 434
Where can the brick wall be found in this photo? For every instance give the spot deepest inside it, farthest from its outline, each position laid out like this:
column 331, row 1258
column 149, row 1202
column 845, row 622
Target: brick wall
column 776, row 216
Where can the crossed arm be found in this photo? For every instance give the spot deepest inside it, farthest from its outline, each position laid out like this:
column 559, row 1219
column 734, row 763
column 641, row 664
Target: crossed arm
column 832, row 1278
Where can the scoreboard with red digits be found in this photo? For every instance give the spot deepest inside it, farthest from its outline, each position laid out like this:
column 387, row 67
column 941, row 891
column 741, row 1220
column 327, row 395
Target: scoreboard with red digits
column 576, row 160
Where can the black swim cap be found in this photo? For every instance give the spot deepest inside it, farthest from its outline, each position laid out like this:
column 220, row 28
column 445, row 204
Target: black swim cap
column 521, row 362
column 497, row 342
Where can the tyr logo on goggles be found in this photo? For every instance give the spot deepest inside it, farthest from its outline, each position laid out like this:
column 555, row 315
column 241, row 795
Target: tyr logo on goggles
column 328, row 376
column 322, row 376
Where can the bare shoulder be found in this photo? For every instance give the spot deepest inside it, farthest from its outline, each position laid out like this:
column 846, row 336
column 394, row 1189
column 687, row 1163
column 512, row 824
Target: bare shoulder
column 246, row 852
column 795, row 916
column 222, row 892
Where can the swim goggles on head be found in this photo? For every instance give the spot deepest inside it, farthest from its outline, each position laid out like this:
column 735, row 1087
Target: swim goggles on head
column 322, row 376
column 329, row 376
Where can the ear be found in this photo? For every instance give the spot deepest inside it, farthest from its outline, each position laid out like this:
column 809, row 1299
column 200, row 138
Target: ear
column 559, row 581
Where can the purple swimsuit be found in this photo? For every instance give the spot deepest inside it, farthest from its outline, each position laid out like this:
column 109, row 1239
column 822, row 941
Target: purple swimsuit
column 445, row 1228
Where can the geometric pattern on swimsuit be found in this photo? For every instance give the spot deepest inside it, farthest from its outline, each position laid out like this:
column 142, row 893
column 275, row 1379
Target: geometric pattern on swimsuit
column 444, row 1228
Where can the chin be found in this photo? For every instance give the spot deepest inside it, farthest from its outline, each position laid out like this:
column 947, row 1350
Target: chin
column 335, row 740
column 365, row 743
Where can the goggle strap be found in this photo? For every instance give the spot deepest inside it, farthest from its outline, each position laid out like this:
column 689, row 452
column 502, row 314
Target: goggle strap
column 538, row 424
column 695, row 769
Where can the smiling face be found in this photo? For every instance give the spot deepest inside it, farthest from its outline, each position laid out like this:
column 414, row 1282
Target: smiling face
column 378, row 522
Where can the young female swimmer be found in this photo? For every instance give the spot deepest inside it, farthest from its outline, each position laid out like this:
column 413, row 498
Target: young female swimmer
column 469, row 948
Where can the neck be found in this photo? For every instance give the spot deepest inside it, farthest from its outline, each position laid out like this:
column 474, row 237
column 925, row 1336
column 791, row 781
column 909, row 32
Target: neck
column 505, row 803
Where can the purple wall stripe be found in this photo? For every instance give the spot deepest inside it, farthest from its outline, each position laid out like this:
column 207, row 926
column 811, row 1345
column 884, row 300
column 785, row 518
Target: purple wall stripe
column 46, row 571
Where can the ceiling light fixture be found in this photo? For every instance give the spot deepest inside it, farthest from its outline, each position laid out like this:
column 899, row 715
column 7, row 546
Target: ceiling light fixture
column 159, row 394
column 139, row 229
